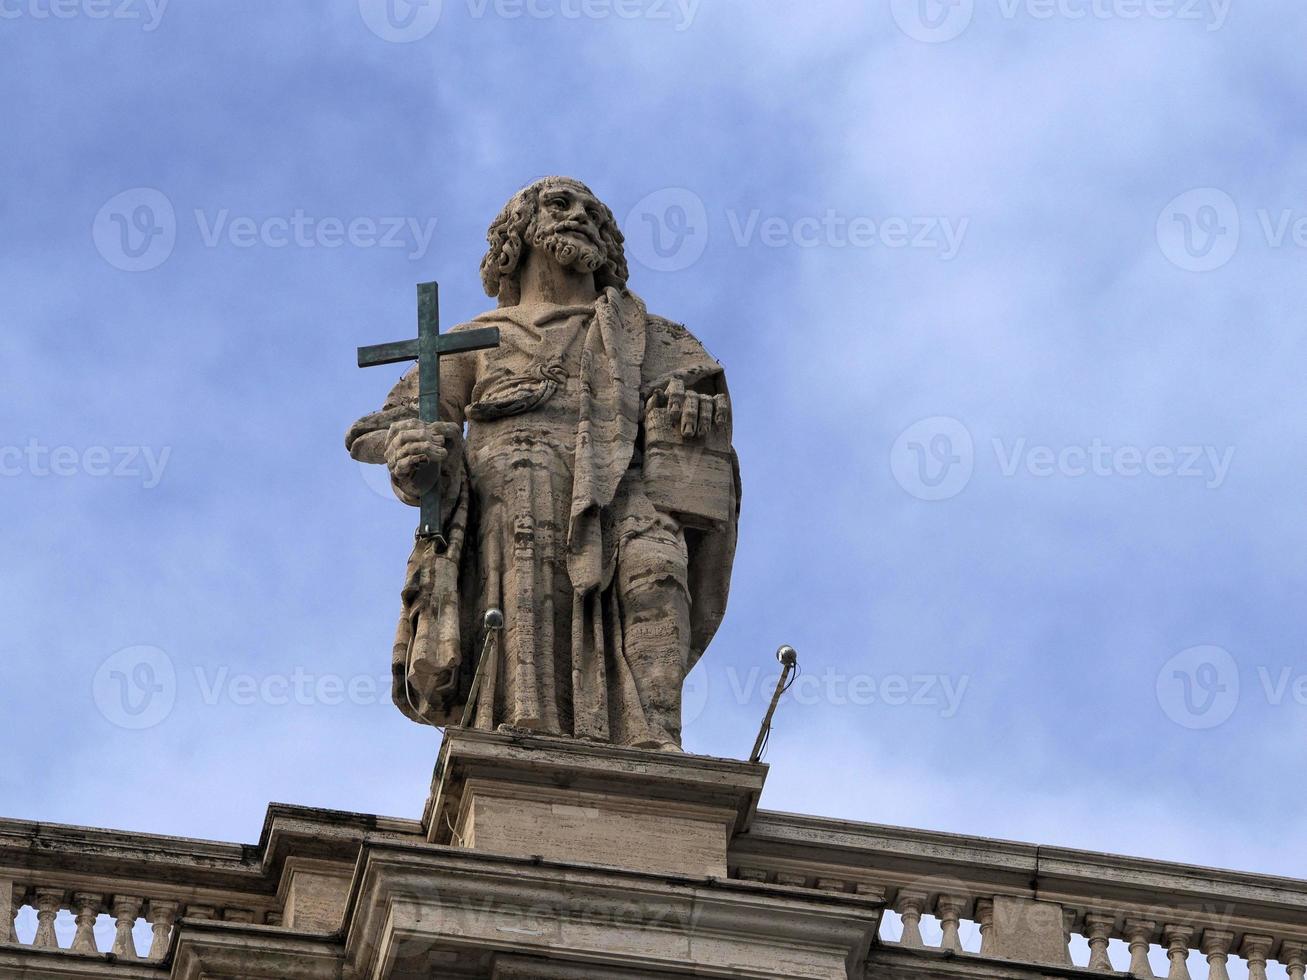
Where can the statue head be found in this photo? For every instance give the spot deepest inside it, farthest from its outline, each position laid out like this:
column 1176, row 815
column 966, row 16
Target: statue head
column 563, row 218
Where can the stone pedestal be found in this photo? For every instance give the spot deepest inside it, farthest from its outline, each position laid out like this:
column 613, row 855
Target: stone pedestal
column 1028, row 932
column 313, row 893
column 583, row 803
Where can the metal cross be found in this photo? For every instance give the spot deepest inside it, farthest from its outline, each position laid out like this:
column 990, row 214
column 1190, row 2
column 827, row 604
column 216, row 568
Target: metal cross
column 429, row 347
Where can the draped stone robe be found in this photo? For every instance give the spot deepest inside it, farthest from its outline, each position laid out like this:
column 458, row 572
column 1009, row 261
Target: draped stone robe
column 608, row 600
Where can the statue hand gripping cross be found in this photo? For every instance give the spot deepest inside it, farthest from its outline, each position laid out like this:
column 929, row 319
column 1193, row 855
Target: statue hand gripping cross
column 429, row 347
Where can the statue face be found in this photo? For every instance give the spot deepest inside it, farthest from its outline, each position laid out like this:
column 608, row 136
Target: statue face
column 567, row 226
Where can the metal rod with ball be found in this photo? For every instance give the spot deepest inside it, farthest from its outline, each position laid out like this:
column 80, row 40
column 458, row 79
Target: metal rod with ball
column 789, row 661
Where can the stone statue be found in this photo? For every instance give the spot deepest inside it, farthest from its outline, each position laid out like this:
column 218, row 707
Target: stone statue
column 593, row 499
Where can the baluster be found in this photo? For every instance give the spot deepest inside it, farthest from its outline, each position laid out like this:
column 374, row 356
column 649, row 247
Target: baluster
column 161, row 916
column 985, row 916
column 1256, row 950
column 126, row 910
column 1294, row 958
column 1139, row 933
column 1098, row 930
column 86, row 907
column 911, row 906
column 205, row 912
column 1178, row 941
column 949, row 909
column 1216, row 947
column 48, row 903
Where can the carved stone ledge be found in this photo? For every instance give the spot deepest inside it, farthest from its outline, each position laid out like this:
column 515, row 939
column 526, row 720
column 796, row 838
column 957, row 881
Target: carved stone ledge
column 892, row 962
column 26, row 963
column 427, row 910
column 238, row 951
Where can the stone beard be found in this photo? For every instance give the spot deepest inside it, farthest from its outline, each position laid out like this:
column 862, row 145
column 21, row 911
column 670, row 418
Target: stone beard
column 593, row 499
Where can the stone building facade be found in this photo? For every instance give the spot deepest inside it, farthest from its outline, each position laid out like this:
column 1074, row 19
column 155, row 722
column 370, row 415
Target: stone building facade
column 544, row 858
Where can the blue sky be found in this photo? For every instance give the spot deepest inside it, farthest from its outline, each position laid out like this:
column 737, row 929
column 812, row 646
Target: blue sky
column 1018, row 413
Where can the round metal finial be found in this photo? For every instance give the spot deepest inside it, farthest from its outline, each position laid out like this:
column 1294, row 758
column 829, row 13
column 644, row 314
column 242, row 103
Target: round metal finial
column 494, row 619
column 787, row 655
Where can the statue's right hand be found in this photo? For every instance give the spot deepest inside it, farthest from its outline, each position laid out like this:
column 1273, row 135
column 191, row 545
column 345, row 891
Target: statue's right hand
column 415, row 452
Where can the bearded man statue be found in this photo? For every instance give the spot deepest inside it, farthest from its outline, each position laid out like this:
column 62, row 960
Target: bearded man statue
column 590, row 493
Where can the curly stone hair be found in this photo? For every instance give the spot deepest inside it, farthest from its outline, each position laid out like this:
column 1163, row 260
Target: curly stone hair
column 511, row 231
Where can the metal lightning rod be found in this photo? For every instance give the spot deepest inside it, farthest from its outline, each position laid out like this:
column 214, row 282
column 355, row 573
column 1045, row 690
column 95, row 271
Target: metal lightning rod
column 789, row 660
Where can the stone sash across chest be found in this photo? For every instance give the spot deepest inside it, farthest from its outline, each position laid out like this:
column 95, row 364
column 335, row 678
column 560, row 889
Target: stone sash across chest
column 533, row 363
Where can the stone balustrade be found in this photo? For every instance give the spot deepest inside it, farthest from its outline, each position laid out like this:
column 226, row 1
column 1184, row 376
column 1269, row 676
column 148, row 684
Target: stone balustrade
column 104, row 889
column 119, row 897
column 337, row 894
column 88, row 908
column 987, row 902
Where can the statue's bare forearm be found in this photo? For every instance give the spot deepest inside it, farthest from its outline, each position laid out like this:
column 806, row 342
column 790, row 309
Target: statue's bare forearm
column 366, row 439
